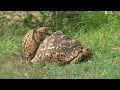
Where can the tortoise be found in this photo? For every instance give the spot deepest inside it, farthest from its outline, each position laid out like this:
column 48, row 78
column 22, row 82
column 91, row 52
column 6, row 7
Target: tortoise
column 32, row 40
column 61, row 49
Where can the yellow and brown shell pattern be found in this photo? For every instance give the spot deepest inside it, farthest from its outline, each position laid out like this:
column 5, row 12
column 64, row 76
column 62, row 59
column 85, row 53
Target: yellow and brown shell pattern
column 32, row 40
column 61, row 49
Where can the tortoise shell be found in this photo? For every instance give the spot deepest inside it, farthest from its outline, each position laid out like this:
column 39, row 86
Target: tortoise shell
column 61, row 49
column 32, row 40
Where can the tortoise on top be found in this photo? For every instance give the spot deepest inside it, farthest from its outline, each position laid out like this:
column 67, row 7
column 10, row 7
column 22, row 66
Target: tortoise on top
column 32, row 40
column 61, row 49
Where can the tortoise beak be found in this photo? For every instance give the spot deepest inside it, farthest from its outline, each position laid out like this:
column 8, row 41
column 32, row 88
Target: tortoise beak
column 87, row 51
column 49, row 32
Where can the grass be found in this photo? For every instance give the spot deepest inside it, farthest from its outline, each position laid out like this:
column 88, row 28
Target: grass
column 104, row 63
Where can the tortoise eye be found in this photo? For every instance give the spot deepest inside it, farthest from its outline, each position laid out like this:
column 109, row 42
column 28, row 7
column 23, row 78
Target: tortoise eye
column 88, row 49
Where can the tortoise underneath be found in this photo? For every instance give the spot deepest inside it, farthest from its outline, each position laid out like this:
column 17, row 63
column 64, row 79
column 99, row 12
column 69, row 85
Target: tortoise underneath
column 32, row 40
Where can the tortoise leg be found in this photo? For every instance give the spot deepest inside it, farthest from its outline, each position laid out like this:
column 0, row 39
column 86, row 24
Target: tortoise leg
column 33, row 61
column 76, row 59
column 30, row 63
column 28, row 59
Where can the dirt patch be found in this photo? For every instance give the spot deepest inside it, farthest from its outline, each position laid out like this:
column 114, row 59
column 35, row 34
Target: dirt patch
column 116, row 47
column 16, row 57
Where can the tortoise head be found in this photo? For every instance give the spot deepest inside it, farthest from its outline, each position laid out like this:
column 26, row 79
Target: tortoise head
column 44, row 30
column 41, row 33
column 86, row 52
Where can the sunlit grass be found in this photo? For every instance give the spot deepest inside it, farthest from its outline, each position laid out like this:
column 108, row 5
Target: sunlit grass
column 104, row 63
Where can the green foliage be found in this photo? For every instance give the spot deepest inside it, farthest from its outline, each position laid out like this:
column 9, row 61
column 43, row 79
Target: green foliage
column 67, row 21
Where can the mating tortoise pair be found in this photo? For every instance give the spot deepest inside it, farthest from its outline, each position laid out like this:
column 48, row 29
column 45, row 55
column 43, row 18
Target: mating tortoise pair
column 43, row 45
